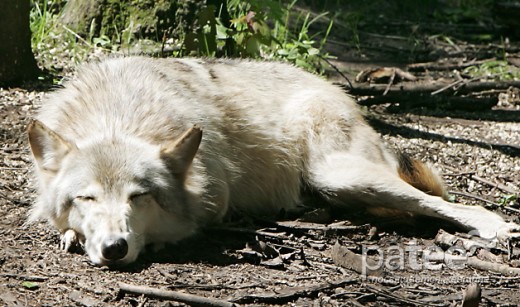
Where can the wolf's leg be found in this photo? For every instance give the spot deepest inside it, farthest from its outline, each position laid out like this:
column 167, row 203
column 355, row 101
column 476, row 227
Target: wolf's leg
column 70, row 240
column 345, row 179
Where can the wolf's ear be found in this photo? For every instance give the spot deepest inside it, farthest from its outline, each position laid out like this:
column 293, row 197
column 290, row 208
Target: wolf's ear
column 48, row 148
column 179, row 154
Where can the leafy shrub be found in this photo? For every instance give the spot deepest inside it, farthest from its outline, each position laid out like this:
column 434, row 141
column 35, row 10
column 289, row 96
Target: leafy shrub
column 269, row 29
column 259, row 29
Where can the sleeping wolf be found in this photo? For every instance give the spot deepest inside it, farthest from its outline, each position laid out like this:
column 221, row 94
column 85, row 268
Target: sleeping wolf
column 136, row 151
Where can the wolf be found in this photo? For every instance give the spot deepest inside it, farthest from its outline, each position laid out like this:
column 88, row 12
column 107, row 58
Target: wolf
column 136, row 151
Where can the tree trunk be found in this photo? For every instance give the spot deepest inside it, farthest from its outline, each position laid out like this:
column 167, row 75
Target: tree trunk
column 124, row 21
column 17, row 61
column 80, row 15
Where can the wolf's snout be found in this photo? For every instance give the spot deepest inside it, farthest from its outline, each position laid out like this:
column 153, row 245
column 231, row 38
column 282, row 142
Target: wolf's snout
column 114, row 248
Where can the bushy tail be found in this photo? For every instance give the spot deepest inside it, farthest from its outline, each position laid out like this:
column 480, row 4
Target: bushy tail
column 421, row 176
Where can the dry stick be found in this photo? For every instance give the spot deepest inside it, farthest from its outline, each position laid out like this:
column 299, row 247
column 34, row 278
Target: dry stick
column 190, row 286
column 25, row 277
column 455, row 85
column 190, row 299
column 496, row 185
column 504, row 269
column 488, row 182
column 292, row 293
column 451, row 85
column 446, row 239
column 390, row 82
column 459, row 174
column 512, row 209
column 361, row 264
column 143, row 301
column 427, row 88
column 436, row 66
column 482, row 265
column 337, row 70
column 306, row 226
column 399, row 298
column 475, row 197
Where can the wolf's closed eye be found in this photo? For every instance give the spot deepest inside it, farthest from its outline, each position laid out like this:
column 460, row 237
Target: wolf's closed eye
column 85, row 198
column 136, row 196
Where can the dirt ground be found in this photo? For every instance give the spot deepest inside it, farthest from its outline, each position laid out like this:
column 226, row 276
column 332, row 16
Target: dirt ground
column 260, row 263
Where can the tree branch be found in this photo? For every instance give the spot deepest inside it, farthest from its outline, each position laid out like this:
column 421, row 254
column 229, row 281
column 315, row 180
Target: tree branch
column 190, row 299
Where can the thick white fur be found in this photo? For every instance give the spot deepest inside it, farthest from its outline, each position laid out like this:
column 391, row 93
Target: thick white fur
column 105, row 168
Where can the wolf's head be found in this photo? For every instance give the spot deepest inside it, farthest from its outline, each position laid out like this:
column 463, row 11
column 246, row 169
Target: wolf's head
column 118, row 193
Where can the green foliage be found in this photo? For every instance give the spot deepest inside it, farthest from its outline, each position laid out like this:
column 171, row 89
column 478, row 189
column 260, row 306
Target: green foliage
column 509, row 200
column 52, row 43
column 493, row 70
column 269, row 29
column 259, row 29
column 30, row 285
column 352, row 21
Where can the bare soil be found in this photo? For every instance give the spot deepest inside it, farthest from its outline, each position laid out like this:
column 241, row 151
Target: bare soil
column 259, row 263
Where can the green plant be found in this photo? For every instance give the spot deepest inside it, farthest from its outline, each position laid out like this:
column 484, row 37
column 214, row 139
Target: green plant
column 493, row 70
column 257, row 29
column 40, row 19
column 508, row 200
column 352, row 20
column 269, row 29
column 301, row 49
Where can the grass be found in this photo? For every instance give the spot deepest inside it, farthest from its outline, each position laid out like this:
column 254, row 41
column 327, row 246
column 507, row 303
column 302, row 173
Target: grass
column 498, row 70
column 266, row 29
column 55, row 46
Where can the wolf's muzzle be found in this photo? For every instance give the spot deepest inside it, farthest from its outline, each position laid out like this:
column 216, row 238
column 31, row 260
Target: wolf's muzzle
column 114, row 249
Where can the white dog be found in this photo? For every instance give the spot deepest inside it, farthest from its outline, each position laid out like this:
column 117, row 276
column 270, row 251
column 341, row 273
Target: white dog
column 136, row 151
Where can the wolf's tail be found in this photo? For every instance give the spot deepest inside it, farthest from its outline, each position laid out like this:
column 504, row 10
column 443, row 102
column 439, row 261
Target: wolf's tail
column 421, row 176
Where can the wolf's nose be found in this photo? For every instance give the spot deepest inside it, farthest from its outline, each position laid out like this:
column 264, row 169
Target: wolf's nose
column 114, row 248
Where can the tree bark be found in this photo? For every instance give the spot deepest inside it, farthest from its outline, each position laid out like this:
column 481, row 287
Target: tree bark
column 125, row 19
column 78, row 15
column 17, row 61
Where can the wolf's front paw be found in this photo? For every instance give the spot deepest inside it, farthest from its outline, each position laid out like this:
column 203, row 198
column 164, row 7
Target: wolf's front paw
column 508, row 232
column 503, row 233
column 69, row 241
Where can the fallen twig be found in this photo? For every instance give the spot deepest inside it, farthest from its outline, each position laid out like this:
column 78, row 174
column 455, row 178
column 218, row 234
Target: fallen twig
column 493, row 184
column 190, row 299
column 447, row 240
column 439, row 66
column 500, row 268
column 337, row 70
column 25, row 277
column 512, row 209
column 446, row 102
column 338, row 227
column 362, row 89
column 344, row 257
column 483, row 180
column 192, row 286
column 451, row 85
column 390, row 82
column 291, row 293
column 469, row 195
column 399, row 298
